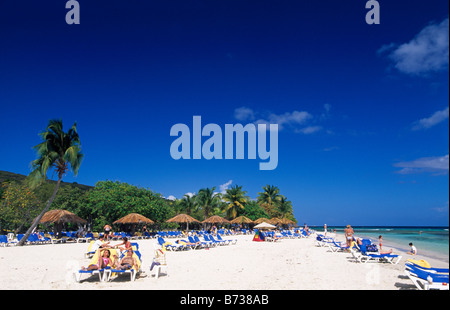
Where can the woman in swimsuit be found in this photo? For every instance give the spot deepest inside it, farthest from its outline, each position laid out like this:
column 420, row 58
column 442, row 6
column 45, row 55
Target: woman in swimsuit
column 349, row 235
column 126, row 243
column 104, row 260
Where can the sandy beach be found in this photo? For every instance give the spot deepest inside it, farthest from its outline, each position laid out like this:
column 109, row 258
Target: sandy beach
column 289, row 264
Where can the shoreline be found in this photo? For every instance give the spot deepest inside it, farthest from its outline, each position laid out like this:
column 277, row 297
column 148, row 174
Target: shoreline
column 436, row 259
column 441, row 255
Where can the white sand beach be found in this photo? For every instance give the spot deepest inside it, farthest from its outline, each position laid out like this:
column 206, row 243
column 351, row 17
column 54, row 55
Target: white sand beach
column 289, row 264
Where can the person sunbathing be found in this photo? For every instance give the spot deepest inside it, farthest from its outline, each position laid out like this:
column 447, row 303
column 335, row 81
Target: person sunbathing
column 104, row 260
column 127, row 262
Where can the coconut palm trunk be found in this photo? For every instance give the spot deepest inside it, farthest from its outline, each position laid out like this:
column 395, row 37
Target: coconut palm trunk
column 39, row 217
column 58, row 150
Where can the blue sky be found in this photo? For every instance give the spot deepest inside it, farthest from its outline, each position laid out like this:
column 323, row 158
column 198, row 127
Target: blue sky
column 362, row 109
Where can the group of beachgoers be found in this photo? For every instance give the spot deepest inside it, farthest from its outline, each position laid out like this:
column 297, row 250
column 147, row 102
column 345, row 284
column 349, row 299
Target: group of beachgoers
column 350, row 241
column 105, row 258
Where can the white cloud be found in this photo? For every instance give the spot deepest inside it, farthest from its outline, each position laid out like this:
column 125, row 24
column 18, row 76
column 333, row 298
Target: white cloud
column 427, row 52
column 244, row 114
column 223, row 188
column 435, row 165
column 171, row 197
column 434, row 119
column 298, row 121
column 309, row 130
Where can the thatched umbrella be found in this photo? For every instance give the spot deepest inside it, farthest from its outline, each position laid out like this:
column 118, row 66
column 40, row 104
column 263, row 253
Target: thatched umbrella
column 182, row 218
column 242, row 220
column 215, row 219
column 261, row 219
column 133, row 218
column 60, row 217
column 286, row 221
column 275, row 221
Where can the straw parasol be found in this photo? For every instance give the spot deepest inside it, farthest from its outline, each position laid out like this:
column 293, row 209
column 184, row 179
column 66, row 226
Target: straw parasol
column 265, row 225
column 275, row 221
column 182, row 218
column 133, row 218
column 261, row 219
column 242, row 220
column 215, row 219
column 60, row 217
column 286, row 221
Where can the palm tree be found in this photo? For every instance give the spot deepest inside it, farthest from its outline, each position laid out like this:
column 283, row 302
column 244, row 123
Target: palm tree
column 285, row 208
column 208, row 200
column 235, row 198
column 58, row 150
column 188, row 204
column 270, row 198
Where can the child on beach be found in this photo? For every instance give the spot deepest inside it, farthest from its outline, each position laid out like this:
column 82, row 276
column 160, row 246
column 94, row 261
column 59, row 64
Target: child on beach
column 413, row 250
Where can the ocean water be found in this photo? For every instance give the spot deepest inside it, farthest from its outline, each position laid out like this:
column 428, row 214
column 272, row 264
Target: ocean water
column 432, row 241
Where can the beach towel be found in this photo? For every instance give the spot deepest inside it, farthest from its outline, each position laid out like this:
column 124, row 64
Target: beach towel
column 422, row 263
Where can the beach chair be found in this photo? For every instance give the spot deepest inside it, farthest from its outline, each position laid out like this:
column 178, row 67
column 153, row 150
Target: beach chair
column 108, row 273
column 364, row 257
column 94, row 260
column 425, row 266
column 230, row 241
column 200, row 243
column 336, row 246
column 4, row 240
column 424, row 280
column 89, row 253
column 205, row 242
column 210, row 238
column 169, row 246
column 160, row 257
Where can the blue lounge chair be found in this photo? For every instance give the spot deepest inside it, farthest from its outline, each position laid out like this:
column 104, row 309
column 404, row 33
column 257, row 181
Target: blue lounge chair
column 410, row 265
column 228, row 241
column 132, row 272
column 424, row 280
column 335, row 246
column 211, row 238
column 4, row 240
column 363, row 256
column 205, row 243
column 169, row 246
column 99, row 272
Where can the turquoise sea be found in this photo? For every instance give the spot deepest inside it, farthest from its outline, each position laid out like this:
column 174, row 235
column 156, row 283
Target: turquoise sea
column 432, row 241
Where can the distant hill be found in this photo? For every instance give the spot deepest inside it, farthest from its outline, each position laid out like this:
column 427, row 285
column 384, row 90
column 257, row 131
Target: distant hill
column 10, row 176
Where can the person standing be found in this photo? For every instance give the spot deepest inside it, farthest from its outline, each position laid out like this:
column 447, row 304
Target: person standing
column 107, row 230
column 348, row 231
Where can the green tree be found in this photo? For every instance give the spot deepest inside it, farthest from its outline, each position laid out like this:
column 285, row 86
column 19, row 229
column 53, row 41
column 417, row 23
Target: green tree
column 18, row 206
column 254, row 211
column 269, row 199
column 60, row 151
column 208, row 201
column 188, row 204
column 108, row 201
column 285, row 209
column 235, row 199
